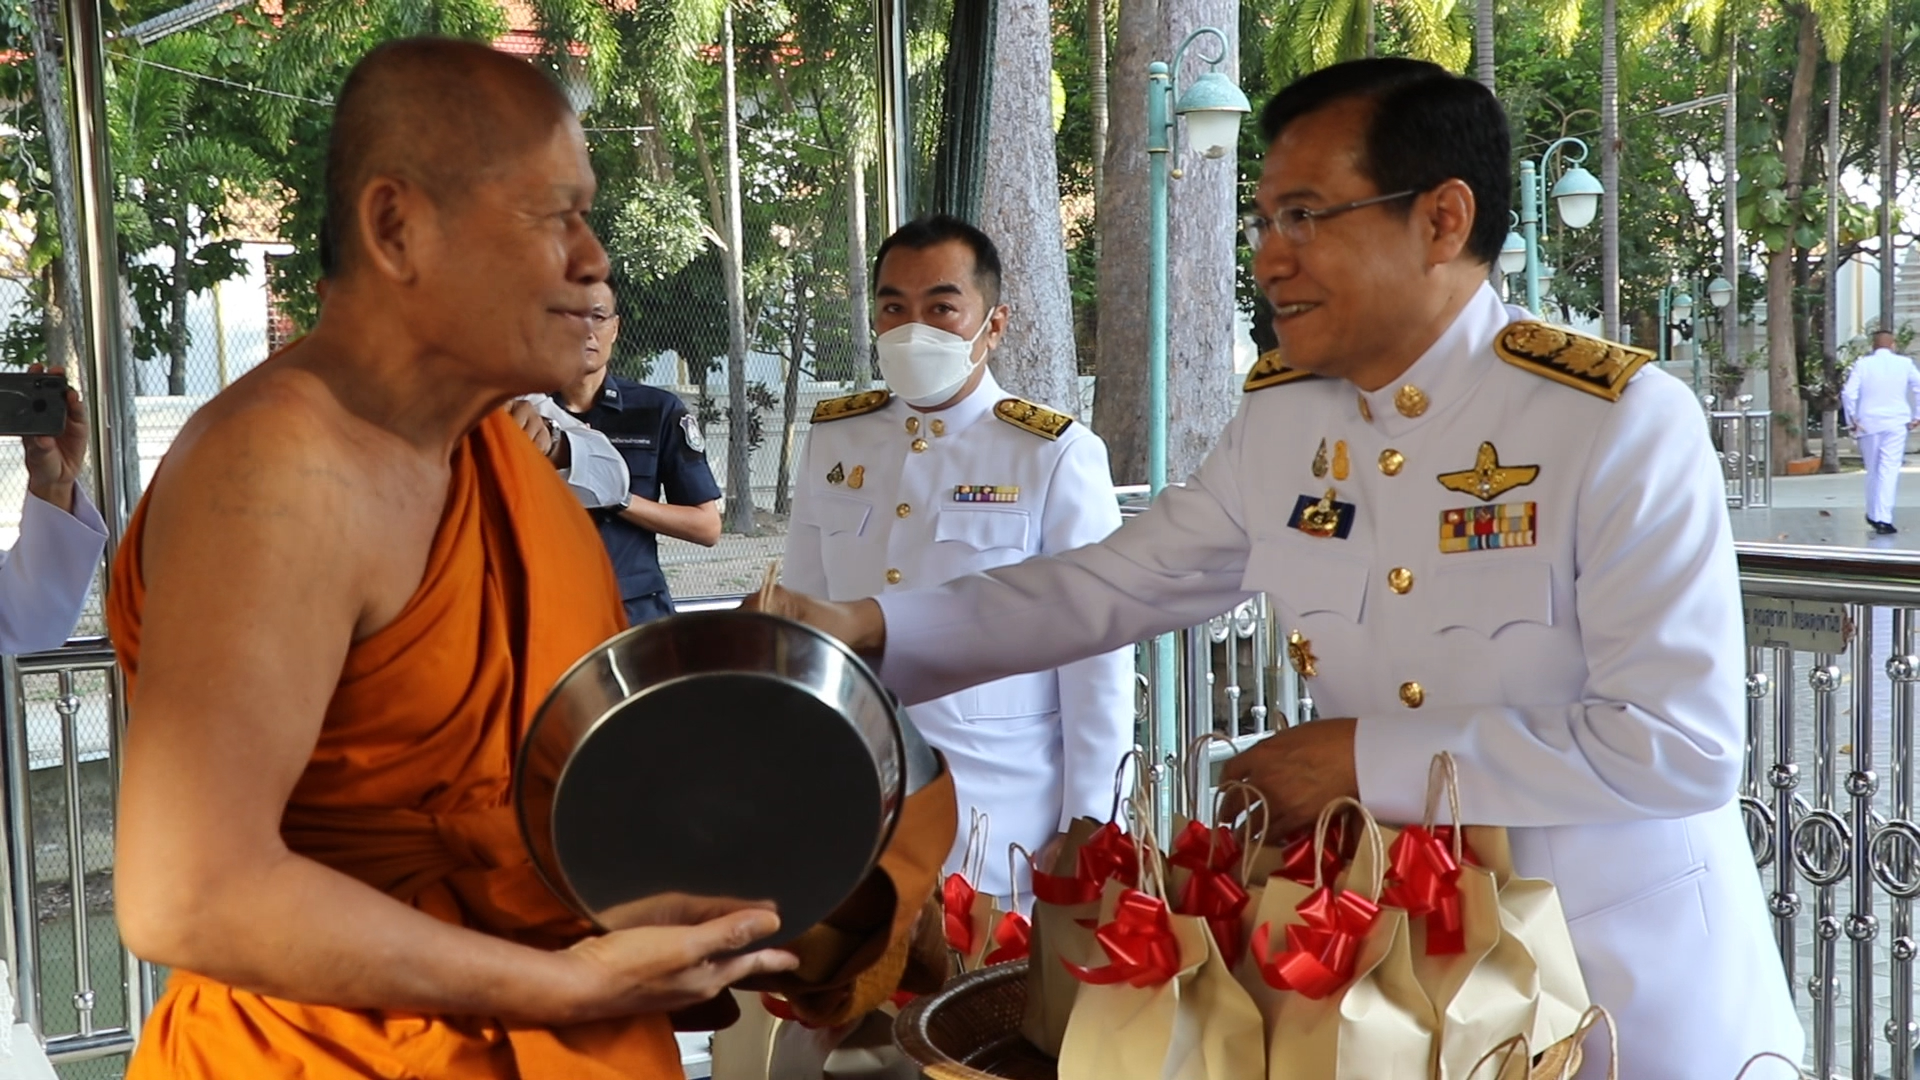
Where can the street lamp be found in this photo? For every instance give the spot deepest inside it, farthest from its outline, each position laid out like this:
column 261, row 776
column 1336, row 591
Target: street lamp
column 1576, row 194
column 1676, row 316
column 1213, row 106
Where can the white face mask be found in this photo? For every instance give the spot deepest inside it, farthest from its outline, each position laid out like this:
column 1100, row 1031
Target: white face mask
column 925, row 364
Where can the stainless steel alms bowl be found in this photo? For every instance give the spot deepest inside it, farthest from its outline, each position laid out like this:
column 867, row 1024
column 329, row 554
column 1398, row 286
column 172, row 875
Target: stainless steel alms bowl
column 717, row 754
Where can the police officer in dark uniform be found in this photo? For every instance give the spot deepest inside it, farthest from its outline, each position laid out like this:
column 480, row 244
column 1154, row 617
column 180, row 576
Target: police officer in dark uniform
column 673, row 492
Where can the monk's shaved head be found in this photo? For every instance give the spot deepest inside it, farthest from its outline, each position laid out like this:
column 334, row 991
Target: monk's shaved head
column 436, row 112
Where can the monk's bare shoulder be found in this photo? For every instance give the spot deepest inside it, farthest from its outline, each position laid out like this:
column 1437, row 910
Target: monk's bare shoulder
column 276, row 463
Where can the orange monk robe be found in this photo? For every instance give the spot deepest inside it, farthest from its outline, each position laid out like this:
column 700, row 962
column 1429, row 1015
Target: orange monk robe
column 409, row 790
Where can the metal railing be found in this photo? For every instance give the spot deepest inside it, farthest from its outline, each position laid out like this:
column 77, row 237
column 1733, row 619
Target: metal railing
column 1744, row 443
column 60, row 757
column 1827, row 795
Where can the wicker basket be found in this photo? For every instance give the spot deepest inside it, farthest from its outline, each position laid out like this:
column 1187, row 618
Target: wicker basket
column 970, row 1029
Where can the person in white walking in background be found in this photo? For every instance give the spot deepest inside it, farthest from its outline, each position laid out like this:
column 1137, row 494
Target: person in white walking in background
column 1879, row 402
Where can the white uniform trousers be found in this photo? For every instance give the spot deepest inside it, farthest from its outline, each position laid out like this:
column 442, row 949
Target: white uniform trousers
column 1883, row 452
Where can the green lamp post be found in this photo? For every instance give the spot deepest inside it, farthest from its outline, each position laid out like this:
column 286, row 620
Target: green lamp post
column 1213, row 107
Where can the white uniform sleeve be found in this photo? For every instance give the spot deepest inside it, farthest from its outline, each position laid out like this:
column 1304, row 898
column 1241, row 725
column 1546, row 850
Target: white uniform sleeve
column 1180, row 562
column 803, row 568
column 596, row 472
column 44, row 579
column 1912, row 393
column 1658, row 729
column 1850, row 394
column 1096, row 694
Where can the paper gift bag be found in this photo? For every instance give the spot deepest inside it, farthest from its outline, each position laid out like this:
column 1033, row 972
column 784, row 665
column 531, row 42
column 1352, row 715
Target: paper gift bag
column 1482, row 983
column 1066, row 909
column 1346, row 1005
column 1533, row 955
column 968, row 915
column 1161, row 1004
column 1011, row 935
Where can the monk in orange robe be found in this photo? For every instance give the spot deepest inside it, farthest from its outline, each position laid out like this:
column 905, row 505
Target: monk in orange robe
column 351, row 583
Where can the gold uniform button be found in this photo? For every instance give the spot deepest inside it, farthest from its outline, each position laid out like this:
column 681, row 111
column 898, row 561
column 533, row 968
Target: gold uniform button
column 1411, row 401
column 919, row 446
column 939, row 428
column 913, row 425
column 1411, row 695
column 902, row 510
column 1366, row 410
column 893, row 578
column 1391, row 462
column 1399, row 579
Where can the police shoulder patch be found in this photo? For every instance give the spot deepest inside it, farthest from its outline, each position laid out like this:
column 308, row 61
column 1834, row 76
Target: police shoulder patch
column 1272, row 371
column 1598, row 366
column 852, row 405
column 1037, row 419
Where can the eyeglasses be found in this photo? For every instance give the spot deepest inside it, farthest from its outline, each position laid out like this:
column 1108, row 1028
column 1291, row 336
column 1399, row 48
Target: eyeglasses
column 1296, row 222
column 599, row 318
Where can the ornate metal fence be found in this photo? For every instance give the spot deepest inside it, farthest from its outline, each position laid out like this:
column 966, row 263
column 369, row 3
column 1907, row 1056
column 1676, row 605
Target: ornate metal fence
column 1834, row 660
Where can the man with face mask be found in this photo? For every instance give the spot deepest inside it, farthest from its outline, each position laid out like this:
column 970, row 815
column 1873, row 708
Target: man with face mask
column 944, row 474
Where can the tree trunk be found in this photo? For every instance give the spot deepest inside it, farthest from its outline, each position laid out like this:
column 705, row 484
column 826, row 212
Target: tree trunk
column 740, row 517
column 1785, row 401
column 859, row 317
column 1830, row 298
column 177, row 313
column 1610, row 169
column 1020, row 209
column 66, row 313
column 1730, row 211
column 1483, row 41
column 1888, row 265
column 1097, row 96
column 1120, row 389
column 790, row 397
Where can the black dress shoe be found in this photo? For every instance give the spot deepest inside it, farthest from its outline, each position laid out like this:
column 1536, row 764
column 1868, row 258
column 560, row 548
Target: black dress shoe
column 1887, row 529
column 1874, row 525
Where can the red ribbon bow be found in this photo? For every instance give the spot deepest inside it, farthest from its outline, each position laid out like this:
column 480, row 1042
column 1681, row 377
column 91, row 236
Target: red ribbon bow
column 1216, row 897
column 1110, row 854
column 956, row 897
column 1321, row 951
column 1107, row 854
column 1139, row 943
column 1424, row 878
column 1014, row 938
column 1296, row 857
column 1201, row 848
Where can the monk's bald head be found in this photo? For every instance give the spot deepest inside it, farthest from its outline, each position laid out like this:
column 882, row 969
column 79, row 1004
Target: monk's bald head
column 439, row 113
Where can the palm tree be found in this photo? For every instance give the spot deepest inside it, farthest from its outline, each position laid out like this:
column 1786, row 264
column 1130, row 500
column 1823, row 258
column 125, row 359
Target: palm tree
column 1316, row 33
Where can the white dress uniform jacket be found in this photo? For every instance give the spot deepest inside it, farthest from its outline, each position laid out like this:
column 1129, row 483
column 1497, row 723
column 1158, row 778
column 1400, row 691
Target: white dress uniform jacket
column 882, row 503
column 44, row 579
column 1881, row 392
column 1586, row 670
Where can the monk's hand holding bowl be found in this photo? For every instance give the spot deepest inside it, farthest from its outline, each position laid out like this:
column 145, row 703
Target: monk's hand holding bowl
column 859, row 623
column 685, row 958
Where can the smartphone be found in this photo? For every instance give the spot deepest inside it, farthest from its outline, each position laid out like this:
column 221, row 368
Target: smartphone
column 32, row 404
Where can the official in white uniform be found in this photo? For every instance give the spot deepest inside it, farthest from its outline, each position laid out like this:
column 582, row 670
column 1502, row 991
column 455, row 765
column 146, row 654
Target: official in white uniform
column 1880, row 403
column 943, row 475
column 44, row 578
column 1483, row 535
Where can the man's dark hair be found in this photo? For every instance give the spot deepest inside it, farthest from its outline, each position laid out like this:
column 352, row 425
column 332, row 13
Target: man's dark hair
column 441, row 112
column 1883, row 333
column 1427, row 126
column 934, row 229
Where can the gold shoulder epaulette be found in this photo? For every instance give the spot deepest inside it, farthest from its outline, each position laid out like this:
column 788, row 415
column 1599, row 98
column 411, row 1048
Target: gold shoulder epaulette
column 1596, row 365
column 1037, row 419
column 1271, row 371
column 840, row 408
